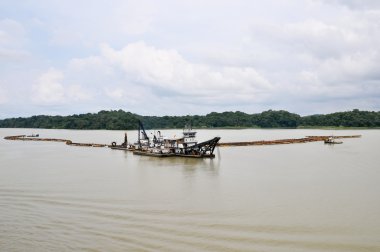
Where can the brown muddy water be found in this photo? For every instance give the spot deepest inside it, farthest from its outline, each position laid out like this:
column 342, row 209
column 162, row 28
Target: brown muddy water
column 298, row 197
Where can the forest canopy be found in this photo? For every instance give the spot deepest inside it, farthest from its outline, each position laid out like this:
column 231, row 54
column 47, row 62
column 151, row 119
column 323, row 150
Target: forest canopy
column 121, row 120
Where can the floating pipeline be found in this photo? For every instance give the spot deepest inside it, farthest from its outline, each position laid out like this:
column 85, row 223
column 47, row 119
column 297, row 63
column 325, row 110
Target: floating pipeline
column 273, row 142
column 68, row 142
column 337, row 137
column 307, row 139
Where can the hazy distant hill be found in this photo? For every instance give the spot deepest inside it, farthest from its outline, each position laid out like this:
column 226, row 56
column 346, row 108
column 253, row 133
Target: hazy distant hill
column 121, row 120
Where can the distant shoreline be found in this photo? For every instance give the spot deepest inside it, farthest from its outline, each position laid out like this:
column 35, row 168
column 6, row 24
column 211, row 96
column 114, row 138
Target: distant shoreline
column 218, row 128
column 271, row 119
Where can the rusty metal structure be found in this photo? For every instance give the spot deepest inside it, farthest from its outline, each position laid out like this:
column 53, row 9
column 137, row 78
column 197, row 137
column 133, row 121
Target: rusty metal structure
column 185, row 146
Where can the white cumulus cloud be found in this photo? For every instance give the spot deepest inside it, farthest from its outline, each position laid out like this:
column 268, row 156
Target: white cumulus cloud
column 169, row 71
column 116, row 94
column 49, row 88
column 77, row 93
column 12, row 39
column 306, row 56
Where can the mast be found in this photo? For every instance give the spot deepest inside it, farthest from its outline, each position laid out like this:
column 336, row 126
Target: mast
column 144, row 135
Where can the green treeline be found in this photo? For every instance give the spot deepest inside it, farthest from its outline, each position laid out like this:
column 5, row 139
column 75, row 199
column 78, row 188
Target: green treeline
column 121, row 120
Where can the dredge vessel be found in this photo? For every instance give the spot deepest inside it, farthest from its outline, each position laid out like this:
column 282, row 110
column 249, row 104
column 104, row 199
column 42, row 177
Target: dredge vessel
column 185, row 146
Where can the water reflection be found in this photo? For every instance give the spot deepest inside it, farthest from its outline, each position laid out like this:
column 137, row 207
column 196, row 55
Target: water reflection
column 189, row 166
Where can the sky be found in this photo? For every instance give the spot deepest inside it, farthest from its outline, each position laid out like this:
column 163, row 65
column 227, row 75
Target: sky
column 173, row 57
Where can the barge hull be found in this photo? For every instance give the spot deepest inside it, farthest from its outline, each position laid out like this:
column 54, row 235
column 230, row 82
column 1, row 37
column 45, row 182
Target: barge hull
column 151, row 154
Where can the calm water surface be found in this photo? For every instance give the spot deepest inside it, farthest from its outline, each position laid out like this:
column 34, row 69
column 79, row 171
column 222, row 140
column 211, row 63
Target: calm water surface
column 300, row 197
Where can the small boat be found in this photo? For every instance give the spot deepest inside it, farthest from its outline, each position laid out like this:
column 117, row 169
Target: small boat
column 185, row 146
column 331, row 140
column 33, row 135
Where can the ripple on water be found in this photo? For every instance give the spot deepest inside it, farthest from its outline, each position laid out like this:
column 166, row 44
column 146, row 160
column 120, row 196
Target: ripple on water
column 51, row 220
